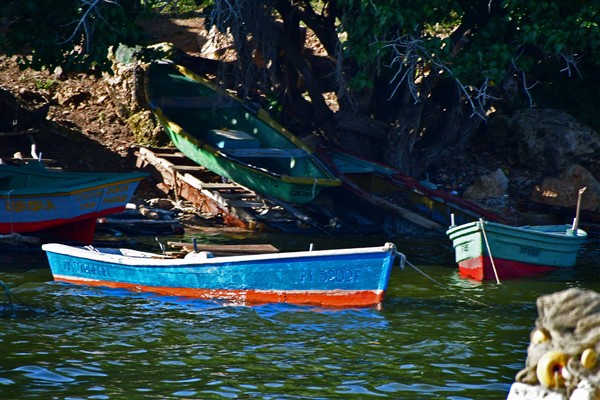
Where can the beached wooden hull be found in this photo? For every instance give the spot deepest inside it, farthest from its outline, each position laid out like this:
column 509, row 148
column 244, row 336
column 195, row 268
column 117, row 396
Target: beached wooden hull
column 516, row 251
column 403, row 196
column 346, row 277
column 218, row 132
column 60, row 205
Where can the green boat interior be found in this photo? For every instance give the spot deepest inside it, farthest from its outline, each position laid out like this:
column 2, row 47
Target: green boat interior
column 237, row 133
column 27, row 176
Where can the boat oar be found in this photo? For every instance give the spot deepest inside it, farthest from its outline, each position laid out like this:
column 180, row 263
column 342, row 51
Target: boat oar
column 487, row 244
column 576, row 220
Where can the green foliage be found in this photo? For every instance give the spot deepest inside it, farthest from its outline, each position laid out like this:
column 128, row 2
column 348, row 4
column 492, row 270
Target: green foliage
column 375, row 29
column 579, row 97
column 495, row 39
column 176, row 8
column 45, row 84
column 73, row 34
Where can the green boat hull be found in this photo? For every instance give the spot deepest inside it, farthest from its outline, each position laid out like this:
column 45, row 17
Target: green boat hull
column 484, row 251
column 218, row 132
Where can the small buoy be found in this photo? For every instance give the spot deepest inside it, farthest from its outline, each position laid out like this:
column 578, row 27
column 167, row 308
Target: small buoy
column 589, row 358
column 549, row 369
column 539, row 336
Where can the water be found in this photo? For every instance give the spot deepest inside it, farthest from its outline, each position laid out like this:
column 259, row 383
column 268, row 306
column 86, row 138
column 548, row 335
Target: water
column 448, row 339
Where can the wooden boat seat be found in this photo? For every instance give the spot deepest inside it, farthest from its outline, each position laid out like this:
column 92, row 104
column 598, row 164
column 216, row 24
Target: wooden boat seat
column 196, row 102
column 231, row 139
column 267, row 153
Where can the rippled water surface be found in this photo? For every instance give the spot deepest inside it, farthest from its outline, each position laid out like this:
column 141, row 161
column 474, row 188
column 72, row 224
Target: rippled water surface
column 436, row 337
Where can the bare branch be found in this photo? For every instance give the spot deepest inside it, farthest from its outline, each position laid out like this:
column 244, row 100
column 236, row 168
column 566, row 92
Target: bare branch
column 526, row 88
column 91, row 8
column 571, row 63
column 409, row 55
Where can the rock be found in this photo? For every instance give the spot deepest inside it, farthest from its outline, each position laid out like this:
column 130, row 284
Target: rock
column 563, row 191
column 218, row 45
column 125, row 87
column 73, row 99
column 545, row 140
column 146, row 129
column 492, row 185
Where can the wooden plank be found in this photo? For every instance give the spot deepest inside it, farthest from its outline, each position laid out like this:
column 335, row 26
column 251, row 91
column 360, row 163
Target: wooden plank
column 188, row 168
column 176, row 155
column 216, row 185
column 237, row 195
column 227, row 249
column 192, row 189
column 235, row 216
column 155, row 159
column 403, row 212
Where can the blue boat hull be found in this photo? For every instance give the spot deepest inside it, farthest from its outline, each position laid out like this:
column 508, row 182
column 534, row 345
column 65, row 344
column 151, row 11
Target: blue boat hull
column 350, row 277
column 61, row 205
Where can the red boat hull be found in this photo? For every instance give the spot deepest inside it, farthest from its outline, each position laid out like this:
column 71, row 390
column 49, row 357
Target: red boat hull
column 79, row 229
column 481, row 268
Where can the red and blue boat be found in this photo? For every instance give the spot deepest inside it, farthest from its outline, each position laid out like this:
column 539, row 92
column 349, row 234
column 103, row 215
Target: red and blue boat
column 488, row 250
column 353, row 277
column 43, row 202
column 400, row 195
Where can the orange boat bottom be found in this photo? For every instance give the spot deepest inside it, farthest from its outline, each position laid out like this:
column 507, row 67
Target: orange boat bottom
column 330, row 298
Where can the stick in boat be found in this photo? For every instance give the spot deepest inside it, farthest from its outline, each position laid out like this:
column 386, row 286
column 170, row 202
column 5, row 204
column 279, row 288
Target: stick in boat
column 487, row 244
column 576, row 220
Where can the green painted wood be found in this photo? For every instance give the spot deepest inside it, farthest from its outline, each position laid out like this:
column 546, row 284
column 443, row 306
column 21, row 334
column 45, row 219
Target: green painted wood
column 241, row 144
column 547, row 245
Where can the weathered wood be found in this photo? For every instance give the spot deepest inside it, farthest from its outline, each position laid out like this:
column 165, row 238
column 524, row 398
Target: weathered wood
column 203, row 195
column 222, row 199
column 227, row 249
column 210, row 185
column 188, row 168
column 406, row 214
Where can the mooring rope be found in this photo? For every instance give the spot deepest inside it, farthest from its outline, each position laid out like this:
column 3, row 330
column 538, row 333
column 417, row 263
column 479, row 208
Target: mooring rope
column 404, row 261
column 566, row 336
column 9, row 299
column 487, row 245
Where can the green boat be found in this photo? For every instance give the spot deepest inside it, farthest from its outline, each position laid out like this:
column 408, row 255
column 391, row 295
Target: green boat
column 217, row 131
column 489, row 250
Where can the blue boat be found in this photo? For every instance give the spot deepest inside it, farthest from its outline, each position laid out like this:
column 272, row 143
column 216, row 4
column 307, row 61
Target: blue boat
column 341, row 277
column 60, row 205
